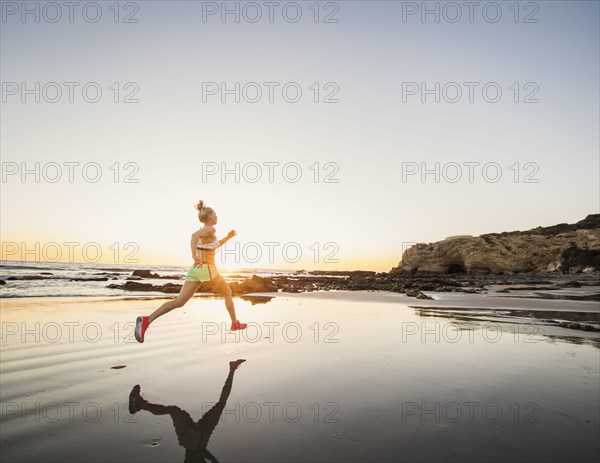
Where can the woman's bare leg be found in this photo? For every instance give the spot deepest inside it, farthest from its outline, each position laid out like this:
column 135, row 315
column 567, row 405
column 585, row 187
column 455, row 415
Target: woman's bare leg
column 187, row 291
column 222, row 288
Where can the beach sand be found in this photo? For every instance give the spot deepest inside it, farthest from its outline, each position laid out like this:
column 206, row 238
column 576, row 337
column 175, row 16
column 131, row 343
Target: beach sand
column 329, row 376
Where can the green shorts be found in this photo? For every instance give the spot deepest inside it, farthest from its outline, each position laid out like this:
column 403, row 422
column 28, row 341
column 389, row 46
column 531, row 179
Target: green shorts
column 205, row 273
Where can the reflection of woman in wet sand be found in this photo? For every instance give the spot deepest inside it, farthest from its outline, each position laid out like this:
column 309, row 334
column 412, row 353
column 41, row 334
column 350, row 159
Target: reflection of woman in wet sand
column 193, row 436
column 204, row 245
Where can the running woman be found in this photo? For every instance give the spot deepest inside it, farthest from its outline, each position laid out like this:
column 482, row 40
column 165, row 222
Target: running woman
column 204, row 245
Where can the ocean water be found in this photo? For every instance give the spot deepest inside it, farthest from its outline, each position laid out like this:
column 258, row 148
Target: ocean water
column 50, row 279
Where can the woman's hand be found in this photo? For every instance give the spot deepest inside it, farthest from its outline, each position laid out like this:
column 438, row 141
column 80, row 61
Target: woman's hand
column 197, row 262
column 231, row 234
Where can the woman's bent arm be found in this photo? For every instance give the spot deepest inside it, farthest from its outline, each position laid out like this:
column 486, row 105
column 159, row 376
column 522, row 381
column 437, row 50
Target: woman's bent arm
column 194, row 243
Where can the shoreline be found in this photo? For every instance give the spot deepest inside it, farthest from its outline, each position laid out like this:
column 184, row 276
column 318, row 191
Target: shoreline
column 448, row 298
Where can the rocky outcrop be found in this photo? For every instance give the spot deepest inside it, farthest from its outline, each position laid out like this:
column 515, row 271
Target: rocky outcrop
column 413, row 285
column 562, row 248
column 255, row 284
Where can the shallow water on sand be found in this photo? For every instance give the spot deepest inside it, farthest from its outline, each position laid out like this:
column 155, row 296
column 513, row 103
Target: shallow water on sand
column 335, row 377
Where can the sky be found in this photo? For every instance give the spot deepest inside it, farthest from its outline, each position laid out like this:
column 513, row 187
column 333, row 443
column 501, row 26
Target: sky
column 360, row 127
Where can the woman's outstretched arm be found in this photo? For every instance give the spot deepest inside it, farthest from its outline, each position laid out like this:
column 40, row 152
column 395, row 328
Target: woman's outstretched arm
column 230, row 235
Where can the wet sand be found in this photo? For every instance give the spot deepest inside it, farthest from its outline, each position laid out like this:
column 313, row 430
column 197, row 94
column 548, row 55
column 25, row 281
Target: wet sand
column 329, row 376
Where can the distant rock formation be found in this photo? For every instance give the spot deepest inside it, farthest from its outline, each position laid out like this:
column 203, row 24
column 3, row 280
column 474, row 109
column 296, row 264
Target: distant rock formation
column 562, row 248
column 148, row 274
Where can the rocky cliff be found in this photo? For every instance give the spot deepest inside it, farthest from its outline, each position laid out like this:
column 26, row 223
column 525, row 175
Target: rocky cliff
column 562, row 248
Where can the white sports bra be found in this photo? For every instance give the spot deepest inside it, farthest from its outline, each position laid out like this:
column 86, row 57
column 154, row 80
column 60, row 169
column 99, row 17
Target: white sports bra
column 209, row 246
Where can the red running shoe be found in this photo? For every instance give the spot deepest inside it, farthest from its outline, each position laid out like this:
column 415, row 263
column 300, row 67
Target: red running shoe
column 141, row 325
column 238, row 326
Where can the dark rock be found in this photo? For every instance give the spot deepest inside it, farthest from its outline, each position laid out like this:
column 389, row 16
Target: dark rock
column 256, row 284
column 578, row 326
column 171, row 289
column 145, row 274
column 589, row 328
column 149, row 274
column 133, row 286
column 571, row 284
column 576, row 258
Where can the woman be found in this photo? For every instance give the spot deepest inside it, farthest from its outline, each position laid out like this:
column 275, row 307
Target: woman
column 204, row 245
